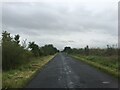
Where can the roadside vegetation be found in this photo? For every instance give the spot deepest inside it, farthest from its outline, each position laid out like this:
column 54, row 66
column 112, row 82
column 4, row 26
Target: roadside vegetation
column 103, row 59
column 20, row 77
column 0, row 66
column 21, row 60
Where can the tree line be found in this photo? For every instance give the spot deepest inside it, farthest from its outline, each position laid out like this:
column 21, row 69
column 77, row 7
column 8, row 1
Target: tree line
column 14, row 54
column 108, row 51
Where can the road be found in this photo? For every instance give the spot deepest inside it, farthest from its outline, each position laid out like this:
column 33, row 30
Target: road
column 64, row 72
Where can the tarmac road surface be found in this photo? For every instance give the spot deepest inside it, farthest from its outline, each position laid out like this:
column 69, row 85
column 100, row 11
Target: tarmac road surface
column 65, row 72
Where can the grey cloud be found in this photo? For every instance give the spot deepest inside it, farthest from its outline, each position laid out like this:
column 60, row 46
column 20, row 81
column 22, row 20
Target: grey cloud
column 49, row 20
column 54, row 18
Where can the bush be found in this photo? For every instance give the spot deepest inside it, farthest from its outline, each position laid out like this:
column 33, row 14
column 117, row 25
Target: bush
column 13, row 54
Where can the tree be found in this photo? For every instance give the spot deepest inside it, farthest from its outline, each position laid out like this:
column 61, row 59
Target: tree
column 48, row 49
column 16, row 38
column 34, row 48
column 13, row 54
column 110, row 50
column 6, row 37
column 67, row 49
column 87, row 50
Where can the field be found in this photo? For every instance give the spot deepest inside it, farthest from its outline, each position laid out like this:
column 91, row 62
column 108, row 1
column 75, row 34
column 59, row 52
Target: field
column 107, row 64
column 19, row 77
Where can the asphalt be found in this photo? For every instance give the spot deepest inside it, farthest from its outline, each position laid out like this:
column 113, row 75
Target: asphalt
column 65, row 72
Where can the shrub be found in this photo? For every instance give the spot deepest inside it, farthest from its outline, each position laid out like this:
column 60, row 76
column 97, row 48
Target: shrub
column 13, row 54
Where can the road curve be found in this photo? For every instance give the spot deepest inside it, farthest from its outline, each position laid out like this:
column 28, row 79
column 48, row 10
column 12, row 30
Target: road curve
column 64, row 72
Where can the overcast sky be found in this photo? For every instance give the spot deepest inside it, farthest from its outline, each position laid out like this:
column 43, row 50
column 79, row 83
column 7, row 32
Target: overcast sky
column 74, row 23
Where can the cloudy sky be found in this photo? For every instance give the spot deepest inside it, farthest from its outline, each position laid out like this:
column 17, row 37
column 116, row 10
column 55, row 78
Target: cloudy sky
column 74, row 23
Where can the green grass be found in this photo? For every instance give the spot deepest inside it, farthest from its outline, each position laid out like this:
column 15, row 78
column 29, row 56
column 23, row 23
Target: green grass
column 108, row 64
column 19, row 77
column 0, row 80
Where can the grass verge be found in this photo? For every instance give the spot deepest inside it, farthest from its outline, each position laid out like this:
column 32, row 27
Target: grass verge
column 107, row 66
column 0, row 80
column 19, row 77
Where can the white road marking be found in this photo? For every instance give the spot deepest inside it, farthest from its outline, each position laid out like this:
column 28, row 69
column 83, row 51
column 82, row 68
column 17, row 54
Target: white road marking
column 105, row 82
column 69, row 71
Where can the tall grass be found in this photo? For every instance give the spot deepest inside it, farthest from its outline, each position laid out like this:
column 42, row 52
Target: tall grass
column 107, row 64
column 19, row 77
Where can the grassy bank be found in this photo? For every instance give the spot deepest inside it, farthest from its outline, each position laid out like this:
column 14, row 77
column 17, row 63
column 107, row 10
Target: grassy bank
column 19, row 77
column 108, row 64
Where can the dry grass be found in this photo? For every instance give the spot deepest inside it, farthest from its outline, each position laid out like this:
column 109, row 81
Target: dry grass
column 21, row 76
